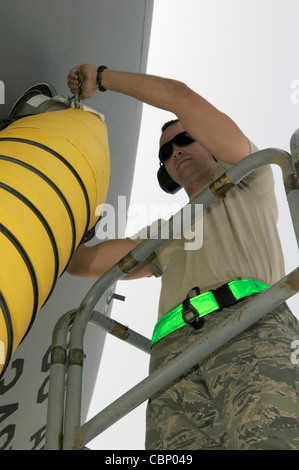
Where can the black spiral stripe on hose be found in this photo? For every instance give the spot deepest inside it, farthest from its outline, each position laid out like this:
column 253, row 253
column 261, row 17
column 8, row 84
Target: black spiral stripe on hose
column 64, row 161
column 47, row 227
column 9, row 330
column 29, row 266
column 54, row 187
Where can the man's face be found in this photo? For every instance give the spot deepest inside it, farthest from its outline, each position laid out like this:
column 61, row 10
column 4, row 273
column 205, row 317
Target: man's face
column 189, row 164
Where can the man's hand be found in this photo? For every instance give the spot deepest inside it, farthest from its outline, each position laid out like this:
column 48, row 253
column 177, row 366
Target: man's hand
column 82, row 80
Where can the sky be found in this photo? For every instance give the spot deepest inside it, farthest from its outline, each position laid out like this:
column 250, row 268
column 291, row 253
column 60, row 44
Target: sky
column 242, row 56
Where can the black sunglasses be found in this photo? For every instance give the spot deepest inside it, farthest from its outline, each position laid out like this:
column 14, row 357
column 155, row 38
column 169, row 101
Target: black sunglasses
column 181, row 140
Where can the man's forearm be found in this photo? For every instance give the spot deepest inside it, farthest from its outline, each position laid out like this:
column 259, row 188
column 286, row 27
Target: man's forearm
column 160, row 92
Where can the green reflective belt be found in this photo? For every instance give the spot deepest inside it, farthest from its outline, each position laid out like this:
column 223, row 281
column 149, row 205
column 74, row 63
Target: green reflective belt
column 206, row 303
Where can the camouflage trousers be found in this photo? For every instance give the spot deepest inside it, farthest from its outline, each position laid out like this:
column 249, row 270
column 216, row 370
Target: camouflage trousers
column 245, row 396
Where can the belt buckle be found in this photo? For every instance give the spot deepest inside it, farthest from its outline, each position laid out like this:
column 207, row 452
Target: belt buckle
column 224, row 296
column 190, row 314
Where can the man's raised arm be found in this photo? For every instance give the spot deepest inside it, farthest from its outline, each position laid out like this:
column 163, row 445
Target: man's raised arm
column 214, row 130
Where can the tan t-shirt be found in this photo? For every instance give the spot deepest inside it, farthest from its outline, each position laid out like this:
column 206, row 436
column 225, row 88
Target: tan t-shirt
column 240, row 241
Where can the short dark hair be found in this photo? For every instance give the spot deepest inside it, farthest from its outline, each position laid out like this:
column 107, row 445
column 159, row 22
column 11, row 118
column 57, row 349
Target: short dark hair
column 169, row 123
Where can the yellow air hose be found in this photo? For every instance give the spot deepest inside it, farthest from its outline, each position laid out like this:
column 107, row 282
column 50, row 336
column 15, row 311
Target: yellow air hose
column 54, row 172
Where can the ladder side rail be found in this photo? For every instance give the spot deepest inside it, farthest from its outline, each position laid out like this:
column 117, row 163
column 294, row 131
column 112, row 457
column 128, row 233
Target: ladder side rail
column 295, row 150
column 293, row 190
column 235, row 324
column 55, row 411
column 58, row 368
column 293, row 200
column 73, row 399
column 138, row 254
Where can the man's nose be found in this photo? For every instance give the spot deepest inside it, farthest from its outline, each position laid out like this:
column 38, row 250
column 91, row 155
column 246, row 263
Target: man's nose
column 177, row 151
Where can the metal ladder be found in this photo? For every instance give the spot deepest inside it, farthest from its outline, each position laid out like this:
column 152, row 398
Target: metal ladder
column 64, row 429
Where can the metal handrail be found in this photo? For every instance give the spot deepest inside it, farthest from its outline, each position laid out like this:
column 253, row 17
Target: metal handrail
column 72, row 437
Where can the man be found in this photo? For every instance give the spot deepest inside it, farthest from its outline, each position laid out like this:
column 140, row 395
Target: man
column 243, row 396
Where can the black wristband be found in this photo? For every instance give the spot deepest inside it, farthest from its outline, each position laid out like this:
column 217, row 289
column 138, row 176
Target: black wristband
column 99, row 78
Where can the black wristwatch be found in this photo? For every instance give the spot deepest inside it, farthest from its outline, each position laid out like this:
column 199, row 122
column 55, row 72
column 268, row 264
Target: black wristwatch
column 99, row 78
